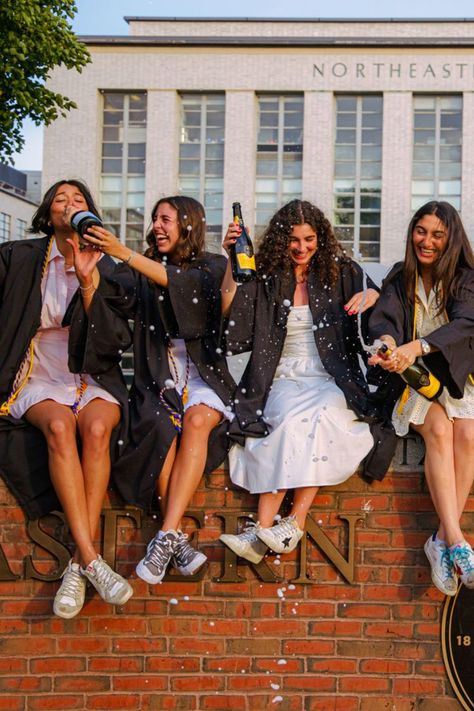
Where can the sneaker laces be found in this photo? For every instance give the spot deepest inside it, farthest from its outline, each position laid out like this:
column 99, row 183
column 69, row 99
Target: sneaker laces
column 287, row 525
column 463, row 555
column 72, row 583
column 160, row 549
column 104, row 575
column 250, row 532
column 183, row 551
column 446, row 563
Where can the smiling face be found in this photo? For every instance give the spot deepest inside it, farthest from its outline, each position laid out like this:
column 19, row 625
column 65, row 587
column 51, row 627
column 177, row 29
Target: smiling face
column 67, row 200
column 430, row 238
column 166, row 228
column 303, row 245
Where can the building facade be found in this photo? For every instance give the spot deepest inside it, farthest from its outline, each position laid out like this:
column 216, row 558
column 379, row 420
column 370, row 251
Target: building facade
column 17, row 205
column 368, row 119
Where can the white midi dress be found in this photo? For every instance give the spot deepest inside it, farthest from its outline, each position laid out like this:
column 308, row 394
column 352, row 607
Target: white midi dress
column 315, row 439
column 416, row 407
column 50, row 378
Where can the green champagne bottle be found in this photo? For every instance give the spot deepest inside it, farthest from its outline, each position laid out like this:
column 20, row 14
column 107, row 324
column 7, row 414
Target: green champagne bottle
column 417, row 377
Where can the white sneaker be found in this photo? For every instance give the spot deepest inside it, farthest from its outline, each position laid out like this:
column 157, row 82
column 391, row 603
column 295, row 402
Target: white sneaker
column 70, row 597
column 152, row 567
column 186, row 559
column 246, row 544
column 110, row 585
column 283, row 537
column 462, row 557
column 443, row 573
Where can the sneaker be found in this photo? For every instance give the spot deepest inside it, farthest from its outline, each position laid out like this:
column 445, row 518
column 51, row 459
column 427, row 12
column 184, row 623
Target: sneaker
column 70, row 597
column 186, row 559
column 152, row 567
column 246, row 544
column 443, row 574
column 110, row 585
column 283, row 537
column 462, row 557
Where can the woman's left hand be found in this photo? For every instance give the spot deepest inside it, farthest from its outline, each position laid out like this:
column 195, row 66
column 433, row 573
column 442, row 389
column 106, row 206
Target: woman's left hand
column 360, row 302
column 107, row 242
column 85, row 262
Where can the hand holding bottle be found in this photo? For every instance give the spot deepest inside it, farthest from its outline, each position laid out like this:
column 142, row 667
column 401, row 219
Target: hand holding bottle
column 233, row 232
column 399, row 358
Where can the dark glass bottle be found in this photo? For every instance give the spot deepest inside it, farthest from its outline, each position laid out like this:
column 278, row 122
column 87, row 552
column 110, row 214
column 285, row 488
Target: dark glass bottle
column 241, row 253
column 82, row 220
column 417, row 377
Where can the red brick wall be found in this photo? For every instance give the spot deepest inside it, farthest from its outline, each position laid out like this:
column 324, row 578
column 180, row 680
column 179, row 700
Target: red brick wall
column 325, row 645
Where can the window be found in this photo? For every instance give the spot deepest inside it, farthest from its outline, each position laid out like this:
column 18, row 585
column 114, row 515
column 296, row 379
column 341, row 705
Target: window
column 20, row 229
column 5, row 226
column 279, row 155
column 437, row 146
column 122, row 190
column 358, row 174
column 201, row 158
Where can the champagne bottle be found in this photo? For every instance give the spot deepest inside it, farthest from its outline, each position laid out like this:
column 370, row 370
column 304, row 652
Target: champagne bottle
column 241, row 253
column 417, row 377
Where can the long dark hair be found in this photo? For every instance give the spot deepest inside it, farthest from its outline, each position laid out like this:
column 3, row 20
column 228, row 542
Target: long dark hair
column 273, row 256
column 192, row 229
column 40, row 221
column 447, row 270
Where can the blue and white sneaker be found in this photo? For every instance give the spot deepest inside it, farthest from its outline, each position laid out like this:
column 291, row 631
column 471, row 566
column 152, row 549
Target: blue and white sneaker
column 462, row 557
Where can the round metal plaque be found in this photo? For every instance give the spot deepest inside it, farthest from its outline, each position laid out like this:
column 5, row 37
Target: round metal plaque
column 457, row 643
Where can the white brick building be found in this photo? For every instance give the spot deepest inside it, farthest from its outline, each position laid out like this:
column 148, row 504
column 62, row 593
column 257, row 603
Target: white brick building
column 368, row 119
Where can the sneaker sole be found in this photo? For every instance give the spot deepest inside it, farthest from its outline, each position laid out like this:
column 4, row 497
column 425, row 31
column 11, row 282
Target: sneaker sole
column 143, row 573
column 251, row 556
column 67, row 615
column 193, row 567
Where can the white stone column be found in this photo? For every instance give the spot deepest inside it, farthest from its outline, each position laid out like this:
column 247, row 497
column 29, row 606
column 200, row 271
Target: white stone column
column 467, row 202
column 318, row 149
column 240, row 155
column 396, row 174
column 162, row 147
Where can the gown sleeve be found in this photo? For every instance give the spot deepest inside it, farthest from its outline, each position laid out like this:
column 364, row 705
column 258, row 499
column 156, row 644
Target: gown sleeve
column 389, row 315
column 240, row 325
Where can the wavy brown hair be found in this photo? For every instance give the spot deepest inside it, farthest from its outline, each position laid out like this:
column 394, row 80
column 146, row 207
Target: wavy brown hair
column 192, row 228
column 447, row 270
column 40, row 221
column 273, row 254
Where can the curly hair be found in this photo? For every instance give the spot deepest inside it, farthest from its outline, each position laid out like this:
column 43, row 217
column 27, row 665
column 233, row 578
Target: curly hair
column 458, row 253
column 40, row 221
column 192, row 227
column 273, row 252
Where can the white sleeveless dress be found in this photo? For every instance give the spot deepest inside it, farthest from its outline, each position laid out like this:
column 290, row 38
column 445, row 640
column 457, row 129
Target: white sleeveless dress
column 315, row 439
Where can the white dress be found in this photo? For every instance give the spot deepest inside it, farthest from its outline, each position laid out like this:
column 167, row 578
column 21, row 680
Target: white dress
column 416, row 406
column 315, row 439
column 50, row 378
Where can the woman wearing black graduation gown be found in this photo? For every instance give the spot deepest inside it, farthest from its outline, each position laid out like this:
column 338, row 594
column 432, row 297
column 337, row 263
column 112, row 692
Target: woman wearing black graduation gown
column 182, row 389
column 43, row 405
column 427, row 309
column 303, row 408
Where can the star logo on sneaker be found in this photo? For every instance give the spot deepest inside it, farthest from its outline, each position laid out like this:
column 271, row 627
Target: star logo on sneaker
column 286, row 542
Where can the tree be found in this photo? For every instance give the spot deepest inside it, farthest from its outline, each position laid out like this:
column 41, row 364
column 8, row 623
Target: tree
column 35, row 37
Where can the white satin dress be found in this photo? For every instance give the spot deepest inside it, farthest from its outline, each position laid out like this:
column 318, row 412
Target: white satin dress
column 315, row 439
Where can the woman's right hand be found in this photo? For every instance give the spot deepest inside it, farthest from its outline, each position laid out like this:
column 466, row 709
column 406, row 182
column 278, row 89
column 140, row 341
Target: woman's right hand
column 233, row 231
column 107, row 242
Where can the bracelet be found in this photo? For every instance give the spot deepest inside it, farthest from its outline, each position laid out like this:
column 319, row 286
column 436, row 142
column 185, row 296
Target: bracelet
column 129, row 259
column 86, row 288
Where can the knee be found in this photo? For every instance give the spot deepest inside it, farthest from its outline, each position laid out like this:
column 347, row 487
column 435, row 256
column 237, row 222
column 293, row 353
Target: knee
column 60, row 434
column 465, row 436
column 194, row 421
column 96, row 435
column 440, row 433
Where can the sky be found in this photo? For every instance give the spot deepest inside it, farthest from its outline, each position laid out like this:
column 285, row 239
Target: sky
column 105, row 17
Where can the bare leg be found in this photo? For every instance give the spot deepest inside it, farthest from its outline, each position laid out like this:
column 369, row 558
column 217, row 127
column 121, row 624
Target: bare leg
column 162, row 484
column 268, row 507
column 58, row 425
column 437, row 432
column 96, row 422
column 463, row 460
column 302, row 503
column 190, row 461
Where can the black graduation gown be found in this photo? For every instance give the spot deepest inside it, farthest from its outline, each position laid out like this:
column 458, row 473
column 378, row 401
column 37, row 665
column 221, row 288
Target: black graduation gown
column 189, row 308
column 257, row 322
column 454, row 361
column 23, row 450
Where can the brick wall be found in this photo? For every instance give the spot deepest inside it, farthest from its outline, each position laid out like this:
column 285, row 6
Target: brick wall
column 308, row 642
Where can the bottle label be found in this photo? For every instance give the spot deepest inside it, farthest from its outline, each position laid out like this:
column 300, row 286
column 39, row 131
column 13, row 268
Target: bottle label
column 245, row 262
column 431, row 390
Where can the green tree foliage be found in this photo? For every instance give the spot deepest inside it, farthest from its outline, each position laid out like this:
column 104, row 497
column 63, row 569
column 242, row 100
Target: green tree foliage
column 35, row 37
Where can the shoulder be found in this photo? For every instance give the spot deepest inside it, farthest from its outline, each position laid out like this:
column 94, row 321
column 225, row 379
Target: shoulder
column 23, row 247
column 210, row 262
column 395, row 274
